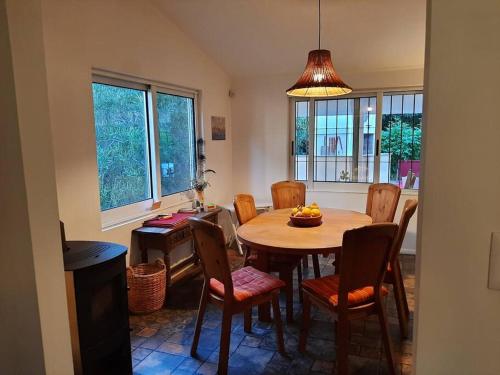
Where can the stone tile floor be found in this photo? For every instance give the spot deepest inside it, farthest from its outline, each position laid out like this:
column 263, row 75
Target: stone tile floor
column 161, row 340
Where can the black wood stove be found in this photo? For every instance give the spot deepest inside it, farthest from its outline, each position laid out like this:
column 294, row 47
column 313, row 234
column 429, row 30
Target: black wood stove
column 96, row 286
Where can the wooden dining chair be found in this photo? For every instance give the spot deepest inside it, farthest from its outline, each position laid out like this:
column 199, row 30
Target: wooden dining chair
column 357, row 292
column 394, row 275
column 244, row 207
column 234, row 292
column 284, row 265
column 290, row 194
column 382, row 202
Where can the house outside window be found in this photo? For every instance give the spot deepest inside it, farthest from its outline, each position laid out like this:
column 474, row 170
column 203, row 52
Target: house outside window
column 358, row 139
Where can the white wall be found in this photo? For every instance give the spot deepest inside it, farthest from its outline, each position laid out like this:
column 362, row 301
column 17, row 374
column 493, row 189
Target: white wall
column 33, row 314
column 458, row 318
column 260, row 112
column 129, row 37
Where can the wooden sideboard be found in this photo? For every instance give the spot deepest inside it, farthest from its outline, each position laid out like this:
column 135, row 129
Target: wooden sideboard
column 166, row 239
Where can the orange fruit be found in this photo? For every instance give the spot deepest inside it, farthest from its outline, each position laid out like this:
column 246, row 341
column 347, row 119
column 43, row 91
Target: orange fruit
column 306, row 211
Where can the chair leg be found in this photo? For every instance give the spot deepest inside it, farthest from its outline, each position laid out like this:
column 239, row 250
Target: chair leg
column 247, row 320
column 400, row 298
column 262, row 264
column 199, row 319
column 247, row 252
column 287, row 278
column 386, row 338
column 299, row 279
column 342, row 345
column 225, row 339
column 278, row 323
column 317, row 273
column 402, row 284
column 306, row 321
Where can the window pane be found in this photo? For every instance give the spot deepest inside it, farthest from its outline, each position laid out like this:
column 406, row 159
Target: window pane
column 386, row 103
column 301, row 140
column 177, row 150
column 396, row 104
column 345, row 133
column 401, row 137
column 122, row 145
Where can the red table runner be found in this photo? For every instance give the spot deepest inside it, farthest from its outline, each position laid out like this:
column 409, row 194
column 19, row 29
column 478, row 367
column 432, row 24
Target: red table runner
column 176, row 219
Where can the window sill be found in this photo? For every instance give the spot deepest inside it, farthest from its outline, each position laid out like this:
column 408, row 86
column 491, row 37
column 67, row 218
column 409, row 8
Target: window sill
column 348, row 188
column 146, row 213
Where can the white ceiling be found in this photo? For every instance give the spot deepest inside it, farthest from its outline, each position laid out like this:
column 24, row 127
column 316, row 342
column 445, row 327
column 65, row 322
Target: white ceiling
column 255, row 37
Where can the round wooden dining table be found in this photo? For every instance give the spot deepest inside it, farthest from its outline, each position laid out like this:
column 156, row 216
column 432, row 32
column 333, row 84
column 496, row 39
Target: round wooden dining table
column 273, row 233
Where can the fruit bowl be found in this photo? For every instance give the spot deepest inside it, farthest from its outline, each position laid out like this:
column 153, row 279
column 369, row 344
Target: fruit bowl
column 306, row 221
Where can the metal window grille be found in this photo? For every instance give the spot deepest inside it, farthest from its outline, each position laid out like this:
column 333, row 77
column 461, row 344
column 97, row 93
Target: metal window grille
column 401, row 139
column 352, row 139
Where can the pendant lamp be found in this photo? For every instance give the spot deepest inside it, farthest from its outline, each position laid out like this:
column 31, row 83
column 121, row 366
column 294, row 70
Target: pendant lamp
column 319, row 78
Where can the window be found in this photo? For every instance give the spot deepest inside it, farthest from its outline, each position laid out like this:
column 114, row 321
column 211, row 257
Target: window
column 401, row 134
column 368, row 145
column 344, row 134
column 145, row 141
column 121, row 131
column 176, row 133
column 341, row 128
column 301, row 140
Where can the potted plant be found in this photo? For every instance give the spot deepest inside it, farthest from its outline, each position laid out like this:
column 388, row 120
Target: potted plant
column 199, row 184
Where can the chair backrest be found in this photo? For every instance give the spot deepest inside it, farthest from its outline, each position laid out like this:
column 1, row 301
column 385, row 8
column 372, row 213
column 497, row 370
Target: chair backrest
column 210, row 246
column 382, row 202
column 408, row 211
column 288, row 194
column 244, row 206
column 364, row 258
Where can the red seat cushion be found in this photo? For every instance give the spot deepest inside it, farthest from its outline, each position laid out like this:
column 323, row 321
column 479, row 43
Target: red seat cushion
column 327, row 288
column 247, row 283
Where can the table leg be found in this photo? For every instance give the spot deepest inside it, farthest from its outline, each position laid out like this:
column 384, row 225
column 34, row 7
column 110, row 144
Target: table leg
column 238, row 244
column 317, row 273
column 144, row 251
column 336, row 262
column 166, row 260
column 262, row 264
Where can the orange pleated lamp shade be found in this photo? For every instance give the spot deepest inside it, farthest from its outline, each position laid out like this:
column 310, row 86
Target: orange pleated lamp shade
column 319, row 78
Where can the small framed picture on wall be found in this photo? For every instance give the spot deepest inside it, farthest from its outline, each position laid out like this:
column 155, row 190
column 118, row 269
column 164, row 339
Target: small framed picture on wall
column 218, row 128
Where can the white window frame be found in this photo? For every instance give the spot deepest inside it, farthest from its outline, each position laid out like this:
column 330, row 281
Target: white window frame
column 341, row 187
column 140, row 210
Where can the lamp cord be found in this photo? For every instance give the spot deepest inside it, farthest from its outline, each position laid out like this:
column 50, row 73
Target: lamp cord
column 319, row 24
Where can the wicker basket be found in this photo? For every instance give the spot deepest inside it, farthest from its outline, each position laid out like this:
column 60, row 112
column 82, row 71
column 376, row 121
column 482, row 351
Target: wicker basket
column 146, row 287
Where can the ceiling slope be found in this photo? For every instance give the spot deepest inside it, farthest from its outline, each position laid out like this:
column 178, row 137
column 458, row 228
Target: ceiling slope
column 260, row 37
